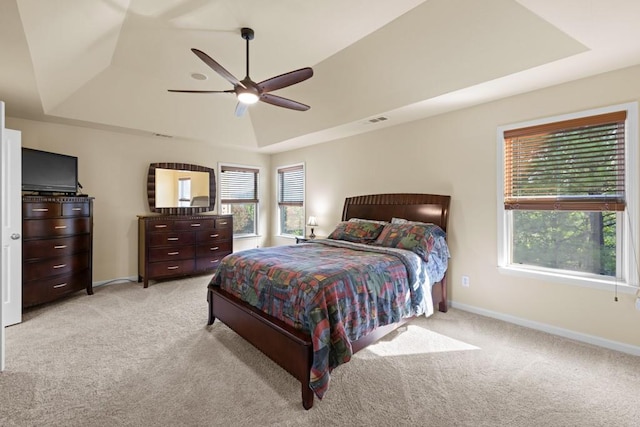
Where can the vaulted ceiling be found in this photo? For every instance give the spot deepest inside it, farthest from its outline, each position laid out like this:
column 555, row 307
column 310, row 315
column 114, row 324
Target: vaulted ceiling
column 108, row 63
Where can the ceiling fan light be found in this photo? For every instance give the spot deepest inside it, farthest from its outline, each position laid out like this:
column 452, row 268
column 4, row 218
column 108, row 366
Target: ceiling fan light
column 247, row 97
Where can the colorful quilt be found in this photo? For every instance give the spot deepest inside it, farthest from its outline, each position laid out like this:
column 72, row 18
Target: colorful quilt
column 337, row 291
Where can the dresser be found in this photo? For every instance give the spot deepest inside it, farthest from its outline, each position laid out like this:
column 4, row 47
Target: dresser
column 57, row 247
column 173, row 246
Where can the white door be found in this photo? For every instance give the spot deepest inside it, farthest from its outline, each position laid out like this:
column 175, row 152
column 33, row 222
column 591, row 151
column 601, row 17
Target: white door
column 10, row 229
column 11, row 159
column 2, row 284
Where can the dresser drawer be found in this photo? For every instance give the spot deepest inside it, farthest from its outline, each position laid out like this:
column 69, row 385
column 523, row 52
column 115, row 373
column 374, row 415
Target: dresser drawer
column 161, row 225
column 55, row 227
column 171, row 268
column 209, row 250
column 54, row 266
column 169, row 253
column 177, row 238
column 48, row 248
column 209, row 263
column 75, row 209
column 213, row 235
column 41, row 210
column 224, row 222
column 45, row 290
column 196, row 224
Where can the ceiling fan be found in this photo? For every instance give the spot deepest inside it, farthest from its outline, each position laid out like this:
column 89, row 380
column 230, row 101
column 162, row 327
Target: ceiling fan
column 247, row 91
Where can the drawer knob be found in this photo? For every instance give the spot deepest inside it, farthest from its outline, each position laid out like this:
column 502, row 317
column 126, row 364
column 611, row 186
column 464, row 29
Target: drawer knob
column 76, row 209
column 173, row 253
column 174, row 267
column 161, row 226
column 40, row 209
column 214, row 235
column 60, row 266
column 195, row 225
column 57, row 227
column 223, row 223
column 61, row 285
column 172, row 238
column 215, row 249
column 59, row 246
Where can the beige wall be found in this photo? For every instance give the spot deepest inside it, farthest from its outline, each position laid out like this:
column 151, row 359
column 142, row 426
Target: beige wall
column 450, row 154
column 456, row 154
column 113, row 168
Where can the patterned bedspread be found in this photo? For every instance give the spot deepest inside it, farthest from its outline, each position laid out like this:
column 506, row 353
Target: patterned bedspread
column 336, row 291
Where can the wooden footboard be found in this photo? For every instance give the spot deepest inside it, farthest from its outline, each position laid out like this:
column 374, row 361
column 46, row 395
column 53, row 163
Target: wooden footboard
column 285, row 345
column 288, row 347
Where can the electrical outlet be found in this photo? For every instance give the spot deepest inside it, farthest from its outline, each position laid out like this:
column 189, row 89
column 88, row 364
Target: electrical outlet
column 638, row 303
column 465, row 281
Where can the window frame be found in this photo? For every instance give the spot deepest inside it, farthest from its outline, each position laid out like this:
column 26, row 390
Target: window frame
column 627, row 220
column 279, row 204
column 256, row 201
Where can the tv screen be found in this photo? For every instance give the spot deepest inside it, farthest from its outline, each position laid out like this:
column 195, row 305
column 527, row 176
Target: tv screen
column 46, row 172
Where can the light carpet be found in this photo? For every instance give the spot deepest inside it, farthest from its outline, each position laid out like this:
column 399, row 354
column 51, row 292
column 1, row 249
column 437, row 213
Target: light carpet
column 128, row 356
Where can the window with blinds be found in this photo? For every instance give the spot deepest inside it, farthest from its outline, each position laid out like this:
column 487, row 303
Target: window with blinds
column 291, row 200
column 238, row 185
column 569, row 196
column 291, row 186
column 239, row 197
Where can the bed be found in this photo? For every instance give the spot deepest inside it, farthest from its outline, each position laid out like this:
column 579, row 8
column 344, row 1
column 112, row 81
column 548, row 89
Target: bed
column 239, row 302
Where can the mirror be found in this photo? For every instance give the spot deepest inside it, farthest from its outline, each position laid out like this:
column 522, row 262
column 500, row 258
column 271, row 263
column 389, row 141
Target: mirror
column 180, row 188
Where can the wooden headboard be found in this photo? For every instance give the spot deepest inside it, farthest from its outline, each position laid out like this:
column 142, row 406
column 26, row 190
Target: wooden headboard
column 431, row 208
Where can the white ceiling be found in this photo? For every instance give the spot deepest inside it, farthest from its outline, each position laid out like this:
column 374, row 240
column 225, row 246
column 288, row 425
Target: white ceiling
column 108, row 63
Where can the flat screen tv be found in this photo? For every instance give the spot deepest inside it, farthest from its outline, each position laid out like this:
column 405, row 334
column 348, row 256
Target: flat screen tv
column 49, row 173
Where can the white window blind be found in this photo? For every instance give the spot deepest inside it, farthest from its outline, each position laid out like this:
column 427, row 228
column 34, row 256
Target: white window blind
column 238, row 185
column 291, row 186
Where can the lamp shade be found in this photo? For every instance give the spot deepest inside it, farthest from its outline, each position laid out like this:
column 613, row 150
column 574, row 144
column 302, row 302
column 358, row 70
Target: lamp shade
column 312, row 222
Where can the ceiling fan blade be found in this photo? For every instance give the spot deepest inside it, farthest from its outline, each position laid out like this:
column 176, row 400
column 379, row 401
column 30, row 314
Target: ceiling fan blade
column 201, row 91
column 217, row 67
column 283, row 102
column 284, row 80
column 240, row 109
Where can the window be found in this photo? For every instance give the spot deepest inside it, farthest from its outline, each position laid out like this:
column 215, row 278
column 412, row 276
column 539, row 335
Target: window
column 184, row 192
column 239, row 197
column 291, row 200
column 567, row 196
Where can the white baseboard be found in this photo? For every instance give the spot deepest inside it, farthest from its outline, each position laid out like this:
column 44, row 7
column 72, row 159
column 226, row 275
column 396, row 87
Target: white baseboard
column 118, row 280
column 566, row 333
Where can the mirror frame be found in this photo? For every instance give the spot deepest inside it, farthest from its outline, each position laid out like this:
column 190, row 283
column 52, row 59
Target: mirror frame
column 151, row 189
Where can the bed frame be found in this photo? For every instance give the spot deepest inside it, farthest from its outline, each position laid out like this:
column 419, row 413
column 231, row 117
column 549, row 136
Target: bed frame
column 291, row 348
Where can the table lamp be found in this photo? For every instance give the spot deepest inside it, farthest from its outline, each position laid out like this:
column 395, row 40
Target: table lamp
column 312, row 223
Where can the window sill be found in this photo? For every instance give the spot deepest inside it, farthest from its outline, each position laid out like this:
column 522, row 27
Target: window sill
column 246, row 236
column 566, row 279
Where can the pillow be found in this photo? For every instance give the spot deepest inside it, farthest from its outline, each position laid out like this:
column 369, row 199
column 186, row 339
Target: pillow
column 436, row 229
column 356, row 231
column 416, row 237
column 395, row 220
column 375, row 221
